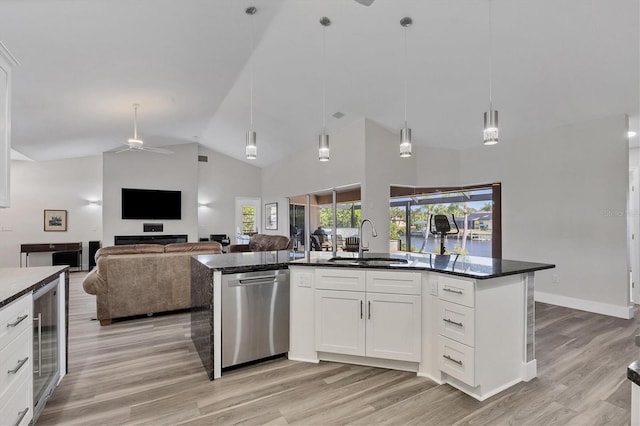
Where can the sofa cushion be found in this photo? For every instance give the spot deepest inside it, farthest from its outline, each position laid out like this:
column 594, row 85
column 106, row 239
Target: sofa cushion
column 208, row 246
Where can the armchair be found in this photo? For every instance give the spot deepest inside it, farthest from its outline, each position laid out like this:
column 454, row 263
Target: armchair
column 263, row 242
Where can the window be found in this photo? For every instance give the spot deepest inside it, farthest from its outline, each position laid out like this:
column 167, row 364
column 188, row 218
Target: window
column 247, row 218
column 475, row 210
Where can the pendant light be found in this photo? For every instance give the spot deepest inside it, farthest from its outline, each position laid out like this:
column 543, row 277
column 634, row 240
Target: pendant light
column 323, row 140
column 251, row 149
column 405, row 132
column 490, row 117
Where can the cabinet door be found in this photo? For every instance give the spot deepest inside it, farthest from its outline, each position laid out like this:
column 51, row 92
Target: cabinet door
column 340, row 322
column 394, row 326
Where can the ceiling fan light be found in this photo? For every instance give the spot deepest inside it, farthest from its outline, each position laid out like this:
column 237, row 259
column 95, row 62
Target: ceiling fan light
column 251, row 149
column 135, row 142
column 405, row 142
column 491, row 127
column 323, row 147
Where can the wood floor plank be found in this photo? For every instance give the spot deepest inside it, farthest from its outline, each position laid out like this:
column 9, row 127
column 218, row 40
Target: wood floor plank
column 145, row 371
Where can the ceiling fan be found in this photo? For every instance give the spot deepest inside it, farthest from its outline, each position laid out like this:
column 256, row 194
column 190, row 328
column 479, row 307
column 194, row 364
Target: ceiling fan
column 135, row 144
column 365, row 2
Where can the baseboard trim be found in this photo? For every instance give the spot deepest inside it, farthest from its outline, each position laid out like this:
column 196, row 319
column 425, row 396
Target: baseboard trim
column 303, row 359
column 625, row 312
column 529, row 370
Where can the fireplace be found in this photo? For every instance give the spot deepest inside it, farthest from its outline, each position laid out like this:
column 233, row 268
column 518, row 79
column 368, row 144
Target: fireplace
column 150, row 239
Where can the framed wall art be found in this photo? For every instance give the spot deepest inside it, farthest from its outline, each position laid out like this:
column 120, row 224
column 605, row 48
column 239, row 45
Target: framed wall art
column 55, row 220
column 271, row 216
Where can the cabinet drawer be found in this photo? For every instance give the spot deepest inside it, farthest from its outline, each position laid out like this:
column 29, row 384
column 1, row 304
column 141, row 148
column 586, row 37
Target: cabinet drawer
column 456, row 291
column 457, row 360
column 14, row 319
column 15, row 356
column 457, row 322
column 340, row 279
column 394, row 282
column 15, row 401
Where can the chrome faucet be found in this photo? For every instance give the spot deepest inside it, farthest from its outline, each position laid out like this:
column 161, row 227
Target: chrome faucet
column 361, row 247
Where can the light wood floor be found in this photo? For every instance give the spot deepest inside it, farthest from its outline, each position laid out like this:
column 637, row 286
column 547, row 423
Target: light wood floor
column 145, row 371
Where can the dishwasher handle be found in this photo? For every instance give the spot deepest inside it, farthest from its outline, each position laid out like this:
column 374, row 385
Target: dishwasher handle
column 258, row 280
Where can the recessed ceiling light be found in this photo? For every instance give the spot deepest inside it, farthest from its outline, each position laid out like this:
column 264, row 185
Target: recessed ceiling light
column 631, row 134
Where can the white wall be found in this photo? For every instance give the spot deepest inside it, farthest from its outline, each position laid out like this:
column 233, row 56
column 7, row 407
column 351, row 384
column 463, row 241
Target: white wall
column 437, row 167
column 51, row 185
column 221, row 180
column 383, row 168
column 302, row 173
column 148, row 170
column 564, row 202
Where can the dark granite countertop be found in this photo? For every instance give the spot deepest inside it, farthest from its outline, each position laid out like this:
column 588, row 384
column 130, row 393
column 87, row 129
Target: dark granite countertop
column 16, row 282
column 633, row 372
column 463, row 266
column 233, row 263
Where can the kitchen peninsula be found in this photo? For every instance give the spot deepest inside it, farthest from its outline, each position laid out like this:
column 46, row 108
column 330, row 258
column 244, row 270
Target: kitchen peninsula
column 466, row 321
column 33, row 337
column 255, row 316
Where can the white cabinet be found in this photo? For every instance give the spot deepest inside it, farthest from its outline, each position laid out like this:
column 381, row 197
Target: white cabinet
column 340, row 325
column 368, row 313
column 393, row 326
column 6, row 63
column 16, row 376
column 480, row 333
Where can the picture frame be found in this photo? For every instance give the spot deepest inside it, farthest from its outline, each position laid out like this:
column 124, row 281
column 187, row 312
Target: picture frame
column 55, row 220
column 271, row 216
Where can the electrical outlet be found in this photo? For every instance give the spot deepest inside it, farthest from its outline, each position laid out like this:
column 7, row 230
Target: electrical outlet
column 555, row 279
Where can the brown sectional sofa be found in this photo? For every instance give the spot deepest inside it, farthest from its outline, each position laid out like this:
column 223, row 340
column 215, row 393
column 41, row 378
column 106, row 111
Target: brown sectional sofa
column 143, row 278
column 263, row 242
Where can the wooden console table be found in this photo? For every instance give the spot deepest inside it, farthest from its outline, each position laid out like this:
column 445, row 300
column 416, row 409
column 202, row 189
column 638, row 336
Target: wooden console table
column 51, row 248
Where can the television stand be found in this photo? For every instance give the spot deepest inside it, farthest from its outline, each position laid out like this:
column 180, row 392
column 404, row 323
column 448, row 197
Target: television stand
column 150, row 239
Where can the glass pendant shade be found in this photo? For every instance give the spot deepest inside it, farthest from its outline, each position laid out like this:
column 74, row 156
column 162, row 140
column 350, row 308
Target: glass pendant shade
column 251, row 149
column 491, row 127
column 405, row 142
column 323, row 147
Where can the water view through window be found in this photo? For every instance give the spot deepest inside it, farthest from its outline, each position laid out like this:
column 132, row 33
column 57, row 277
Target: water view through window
column 470, row 214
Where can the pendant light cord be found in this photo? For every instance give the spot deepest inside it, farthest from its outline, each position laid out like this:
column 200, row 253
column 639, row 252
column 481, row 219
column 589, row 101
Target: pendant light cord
column 251, row 77
column 406, row 72
column 324, row 78
column 490, row 59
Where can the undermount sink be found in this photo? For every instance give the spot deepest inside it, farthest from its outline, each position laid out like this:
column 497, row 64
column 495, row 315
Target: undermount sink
column 373, row 261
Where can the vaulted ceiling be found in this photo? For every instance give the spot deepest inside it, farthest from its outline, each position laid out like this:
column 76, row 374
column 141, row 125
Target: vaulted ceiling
column 188, row 64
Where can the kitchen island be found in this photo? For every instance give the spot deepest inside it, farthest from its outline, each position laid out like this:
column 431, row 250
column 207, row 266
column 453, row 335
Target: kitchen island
column 461, row 320
column 249, row 319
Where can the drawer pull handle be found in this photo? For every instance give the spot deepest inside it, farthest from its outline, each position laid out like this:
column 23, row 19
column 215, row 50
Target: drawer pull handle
column 18, row 321
column 19, row 366
column 459, row 324
column 452, row 359
column 21, row 415
column 450, row 290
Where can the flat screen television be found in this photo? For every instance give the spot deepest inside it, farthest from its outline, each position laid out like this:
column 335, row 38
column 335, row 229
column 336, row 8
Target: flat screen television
column 151, row 204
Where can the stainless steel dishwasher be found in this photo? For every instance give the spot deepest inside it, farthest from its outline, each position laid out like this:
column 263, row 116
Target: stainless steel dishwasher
column 255, row 316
